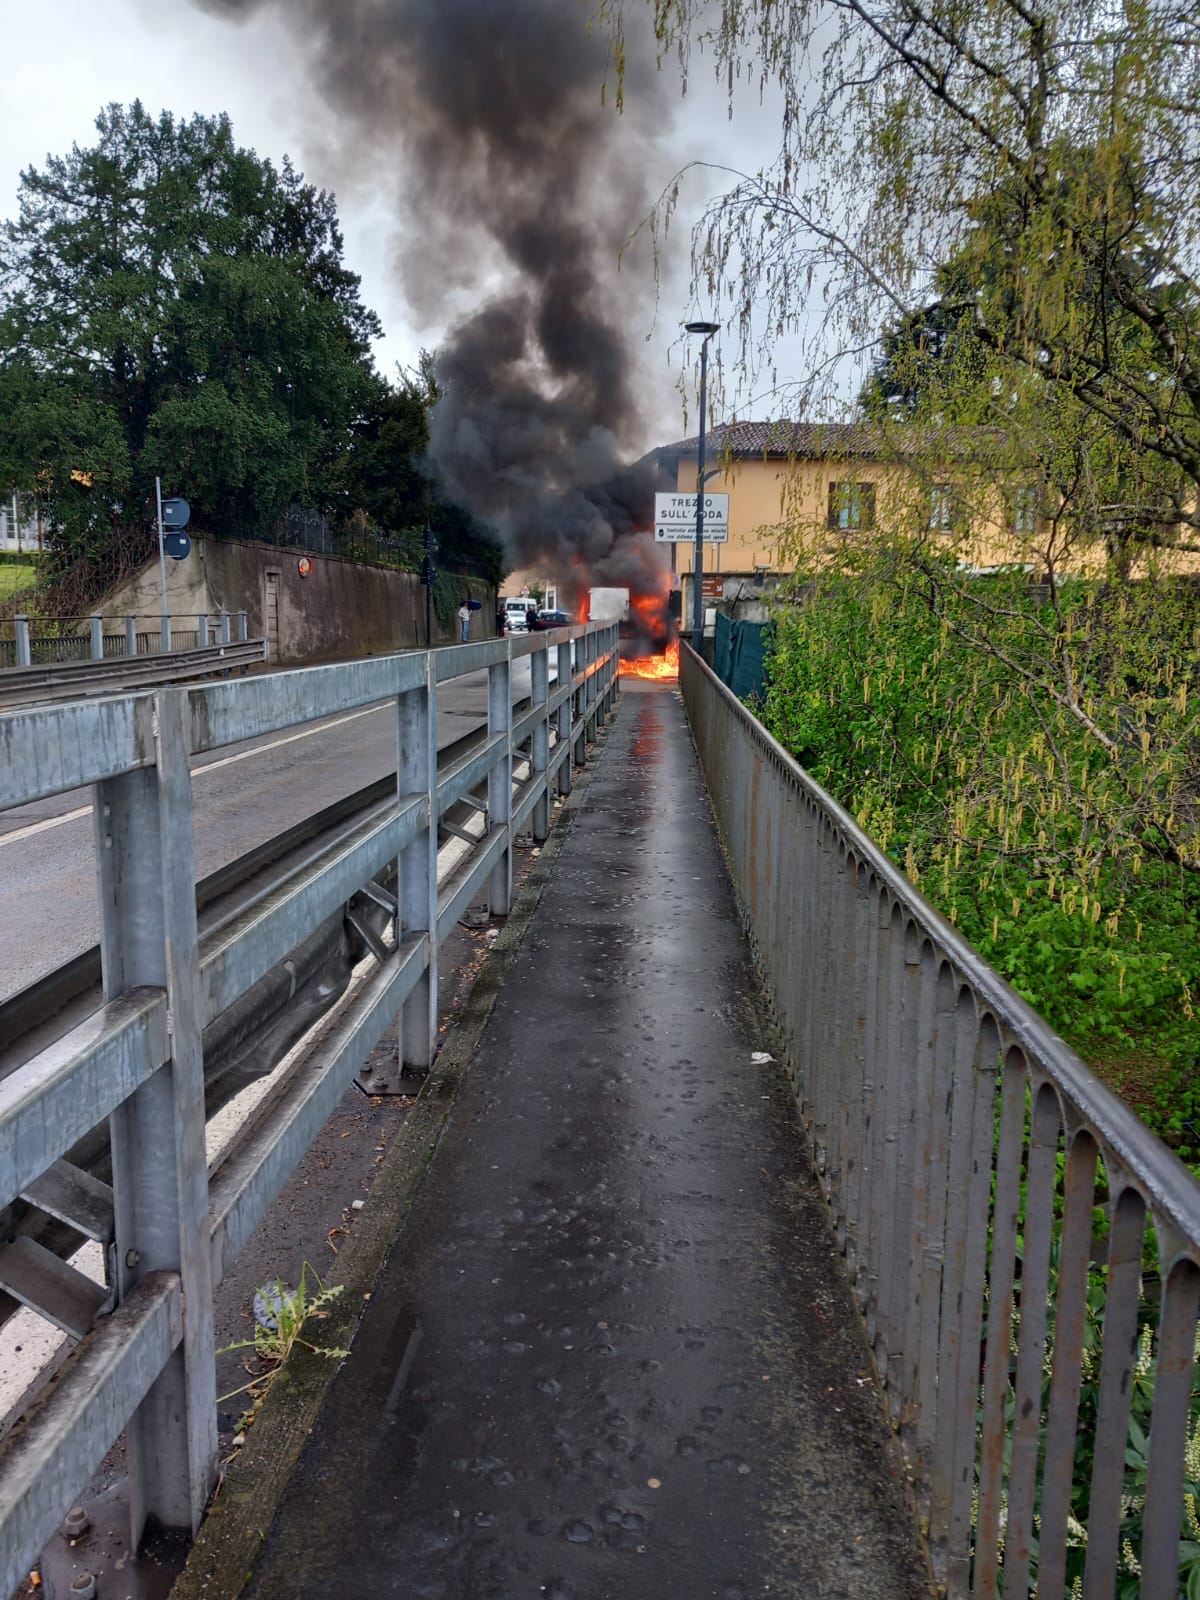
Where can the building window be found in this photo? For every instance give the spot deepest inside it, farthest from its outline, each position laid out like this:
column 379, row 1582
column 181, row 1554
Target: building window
column 851, row 506
column 1023, row 510
column 941, row 508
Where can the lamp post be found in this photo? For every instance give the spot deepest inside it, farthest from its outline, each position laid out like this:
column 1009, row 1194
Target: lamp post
column 707, row 329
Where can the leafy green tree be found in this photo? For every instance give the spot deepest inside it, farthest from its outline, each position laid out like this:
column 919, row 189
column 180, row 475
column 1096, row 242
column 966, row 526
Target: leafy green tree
column 388, row 477
column 173, row 304
column 917, row 354
column 1047, row 149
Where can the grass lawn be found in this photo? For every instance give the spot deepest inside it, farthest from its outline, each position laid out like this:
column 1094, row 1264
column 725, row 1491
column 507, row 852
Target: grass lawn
column 15, row 575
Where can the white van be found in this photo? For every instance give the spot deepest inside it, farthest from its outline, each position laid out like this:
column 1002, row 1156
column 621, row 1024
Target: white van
column 517, row 613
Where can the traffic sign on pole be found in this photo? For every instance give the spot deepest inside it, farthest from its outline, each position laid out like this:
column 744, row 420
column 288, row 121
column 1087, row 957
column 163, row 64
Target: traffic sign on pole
column 675, row 518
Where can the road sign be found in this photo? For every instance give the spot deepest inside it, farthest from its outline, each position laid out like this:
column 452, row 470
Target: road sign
column 176, row 512
column 675, row 518
column 177, row 544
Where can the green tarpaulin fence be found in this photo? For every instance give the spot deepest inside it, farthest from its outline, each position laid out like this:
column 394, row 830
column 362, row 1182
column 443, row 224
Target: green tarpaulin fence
column 739, row 654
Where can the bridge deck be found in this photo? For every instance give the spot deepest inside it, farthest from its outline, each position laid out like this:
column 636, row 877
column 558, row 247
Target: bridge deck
column 613, row 1353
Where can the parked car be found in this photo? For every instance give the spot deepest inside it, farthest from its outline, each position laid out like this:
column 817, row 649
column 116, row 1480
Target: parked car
column 552, row 619
column 517, row 615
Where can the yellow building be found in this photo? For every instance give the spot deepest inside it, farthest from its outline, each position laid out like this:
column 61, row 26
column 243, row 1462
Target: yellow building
column 798, row 491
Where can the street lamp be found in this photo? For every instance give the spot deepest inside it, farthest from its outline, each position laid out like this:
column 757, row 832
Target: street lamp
column 707, row 329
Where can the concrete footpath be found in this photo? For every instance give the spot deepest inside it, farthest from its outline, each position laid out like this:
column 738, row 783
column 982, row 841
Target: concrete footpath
column 613, row 1355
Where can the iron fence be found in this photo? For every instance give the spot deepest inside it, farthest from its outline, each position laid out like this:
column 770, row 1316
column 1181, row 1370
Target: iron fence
column 169, row 1227
column 1025, row 1252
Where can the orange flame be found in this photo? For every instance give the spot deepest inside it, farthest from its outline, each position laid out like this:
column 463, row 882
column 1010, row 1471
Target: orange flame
column 656, row 668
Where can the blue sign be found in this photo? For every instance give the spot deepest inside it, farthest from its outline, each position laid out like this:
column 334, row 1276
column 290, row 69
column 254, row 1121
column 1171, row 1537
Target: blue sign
column 177, row 545
column 175, row 513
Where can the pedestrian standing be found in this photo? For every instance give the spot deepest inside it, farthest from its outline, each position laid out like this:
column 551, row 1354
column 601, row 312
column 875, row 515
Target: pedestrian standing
column 464, row 617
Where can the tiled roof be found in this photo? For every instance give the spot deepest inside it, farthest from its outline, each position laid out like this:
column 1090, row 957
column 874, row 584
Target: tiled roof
column 817, row 440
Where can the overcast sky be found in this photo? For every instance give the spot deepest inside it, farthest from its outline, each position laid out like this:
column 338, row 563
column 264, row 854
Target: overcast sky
column 65, row 59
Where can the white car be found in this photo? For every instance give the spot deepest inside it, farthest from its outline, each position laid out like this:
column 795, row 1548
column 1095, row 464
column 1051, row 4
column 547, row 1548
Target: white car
column 516, row 616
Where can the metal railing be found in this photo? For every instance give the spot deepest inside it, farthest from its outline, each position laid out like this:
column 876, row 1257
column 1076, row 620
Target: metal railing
column 51, row 641
column 23, row 686
column 169, row 1227
column 1025, row 1252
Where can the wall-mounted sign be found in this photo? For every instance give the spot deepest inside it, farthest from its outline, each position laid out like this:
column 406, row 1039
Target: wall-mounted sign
column 304, row 566
column 675, row 518
column 712, row 588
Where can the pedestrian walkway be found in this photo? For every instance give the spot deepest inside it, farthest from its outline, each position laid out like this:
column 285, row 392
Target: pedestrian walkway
column 613, row 1355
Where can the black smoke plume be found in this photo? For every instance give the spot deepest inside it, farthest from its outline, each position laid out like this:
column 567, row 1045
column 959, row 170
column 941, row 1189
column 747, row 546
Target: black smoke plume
column 520, row 184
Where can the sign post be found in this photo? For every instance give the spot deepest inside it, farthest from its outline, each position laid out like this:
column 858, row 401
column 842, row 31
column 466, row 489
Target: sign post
column 164, row 637
column 173, row 514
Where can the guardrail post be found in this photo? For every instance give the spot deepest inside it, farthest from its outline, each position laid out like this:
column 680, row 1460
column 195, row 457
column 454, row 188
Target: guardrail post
column 243, row 633
column 226, row 632
column 146, row 854
column 564, row 717
column 97, row 622
column 164, row 634
column 601, row 682
column 417, row 897
column 21, row 629
column 579, row 702
column 130, row 634
column 589, row 688
column 539, row 668
column 202, row 630
column 602, row 677
column 500, row 781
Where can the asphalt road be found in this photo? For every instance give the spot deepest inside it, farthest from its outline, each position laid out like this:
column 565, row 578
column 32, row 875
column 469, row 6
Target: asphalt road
column 243, row 795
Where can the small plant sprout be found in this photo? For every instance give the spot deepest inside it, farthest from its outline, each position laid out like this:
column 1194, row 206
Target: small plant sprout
column 282, row 1314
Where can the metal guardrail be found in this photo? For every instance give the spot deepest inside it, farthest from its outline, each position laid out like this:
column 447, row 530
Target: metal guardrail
column 30, row 685
column 963, row 1148
column 50, row 641
column 169, row 1227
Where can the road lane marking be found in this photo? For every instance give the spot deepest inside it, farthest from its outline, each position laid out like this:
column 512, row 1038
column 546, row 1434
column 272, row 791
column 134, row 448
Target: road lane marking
column 40, row 827
column 33, row 828
column 307, row 733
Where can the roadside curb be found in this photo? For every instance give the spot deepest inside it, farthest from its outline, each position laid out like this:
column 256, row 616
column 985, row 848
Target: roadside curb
column 221, row 1561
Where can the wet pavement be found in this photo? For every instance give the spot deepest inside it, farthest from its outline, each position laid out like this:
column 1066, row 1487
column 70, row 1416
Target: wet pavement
column 613, row 1355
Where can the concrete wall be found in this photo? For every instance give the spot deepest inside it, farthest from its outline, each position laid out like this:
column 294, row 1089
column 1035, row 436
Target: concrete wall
column 340, row 609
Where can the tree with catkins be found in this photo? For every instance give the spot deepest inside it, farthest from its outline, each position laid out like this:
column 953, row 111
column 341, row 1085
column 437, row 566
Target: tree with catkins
column 1047, row 151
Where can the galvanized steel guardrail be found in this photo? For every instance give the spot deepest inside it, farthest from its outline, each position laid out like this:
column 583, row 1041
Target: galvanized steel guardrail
column 31, row 685
column 53, row 641
column 963, row 1148
column 144, row 1364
